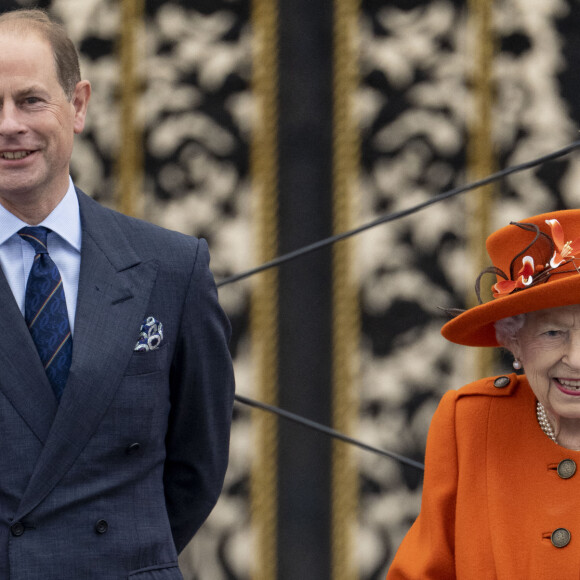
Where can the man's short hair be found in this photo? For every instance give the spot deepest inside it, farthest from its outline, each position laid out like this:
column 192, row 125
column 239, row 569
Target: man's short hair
column 66, row 58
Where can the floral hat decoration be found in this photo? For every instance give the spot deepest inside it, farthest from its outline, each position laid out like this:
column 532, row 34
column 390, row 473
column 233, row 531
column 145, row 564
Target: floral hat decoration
column 537, row 266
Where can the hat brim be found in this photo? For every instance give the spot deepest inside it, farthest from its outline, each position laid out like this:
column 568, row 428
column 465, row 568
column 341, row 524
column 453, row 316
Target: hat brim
column 475, row 327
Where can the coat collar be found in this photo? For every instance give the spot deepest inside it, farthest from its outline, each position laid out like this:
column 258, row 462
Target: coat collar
column 114, row 289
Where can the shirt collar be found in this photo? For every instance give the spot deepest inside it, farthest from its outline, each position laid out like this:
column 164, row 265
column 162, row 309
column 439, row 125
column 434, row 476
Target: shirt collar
column 64, row 220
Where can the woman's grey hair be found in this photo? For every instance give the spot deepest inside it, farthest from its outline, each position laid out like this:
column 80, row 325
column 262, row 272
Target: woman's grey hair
column 506, row 329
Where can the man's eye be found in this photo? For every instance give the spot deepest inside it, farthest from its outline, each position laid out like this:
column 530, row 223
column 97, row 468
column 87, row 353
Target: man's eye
column 552, row 333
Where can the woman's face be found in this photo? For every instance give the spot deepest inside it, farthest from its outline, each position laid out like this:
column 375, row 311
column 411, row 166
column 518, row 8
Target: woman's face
column 548, row 346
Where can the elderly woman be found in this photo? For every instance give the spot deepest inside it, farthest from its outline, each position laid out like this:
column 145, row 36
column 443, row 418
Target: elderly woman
column 501, row 495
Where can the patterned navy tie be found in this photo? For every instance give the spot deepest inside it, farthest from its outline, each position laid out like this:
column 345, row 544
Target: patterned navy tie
column 45, row 311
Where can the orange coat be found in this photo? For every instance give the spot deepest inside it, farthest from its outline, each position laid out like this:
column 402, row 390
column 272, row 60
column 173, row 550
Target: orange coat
column 492, row 494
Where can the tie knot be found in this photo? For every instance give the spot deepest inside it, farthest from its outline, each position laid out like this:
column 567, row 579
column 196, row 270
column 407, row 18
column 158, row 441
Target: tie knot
column 36, row 237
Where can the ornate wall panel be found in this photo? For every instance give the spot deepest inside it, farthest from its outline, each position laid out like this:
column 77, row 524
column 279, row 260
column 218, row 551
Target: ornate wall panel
column 414, row 103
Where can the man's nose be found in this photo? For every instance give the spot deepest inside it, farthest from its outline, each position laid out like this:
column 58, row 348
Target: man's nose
column 10, row 120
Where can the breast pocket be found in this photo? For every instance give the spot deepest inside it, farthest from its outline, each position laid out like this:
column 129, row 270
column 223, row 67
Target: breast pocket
column 146, row 362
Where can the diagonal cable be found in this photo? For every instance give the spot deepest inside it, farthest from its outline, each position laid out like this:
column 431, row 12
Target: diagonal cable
column 336, row 238
column 400, row 214
column 327, row 430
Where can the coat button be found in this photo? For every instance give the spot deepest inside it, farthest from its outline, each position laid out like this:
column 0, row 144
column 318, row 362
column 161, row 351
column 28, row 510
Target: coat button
column 133, row 448
column 501, row 382
column 101, row 527
column 566, row 468
column 17, row 529
column 560, row 537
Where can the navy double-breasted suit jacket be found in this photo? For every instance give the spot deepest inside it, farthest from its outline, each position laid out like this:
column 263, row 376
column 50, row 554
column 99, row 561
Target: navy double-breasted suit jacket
column 115, row 480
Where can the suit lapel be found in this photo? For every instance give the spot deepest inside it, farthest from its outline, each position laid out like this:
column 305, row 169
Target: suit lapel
column 23, row 380
column 114, row 289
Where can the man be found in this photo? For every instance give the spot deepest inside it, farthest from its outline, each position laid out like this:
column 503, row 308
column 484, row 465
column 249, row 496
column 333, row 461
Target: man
column 109, row 461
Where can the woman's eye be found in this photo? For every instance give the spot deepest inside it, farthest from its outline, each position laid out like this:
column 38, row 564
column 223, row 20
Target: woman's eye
column 552, row 333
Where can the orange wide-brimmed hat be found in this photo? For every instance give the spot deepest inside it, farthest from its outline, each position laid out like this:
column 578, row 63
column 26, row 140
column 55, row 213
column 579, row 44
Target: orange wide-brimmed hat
column 537, row 265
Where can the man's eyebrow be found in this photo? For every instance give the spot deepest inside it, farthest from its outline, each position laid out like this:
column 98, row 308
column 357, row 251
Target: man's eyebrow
column 34, row 89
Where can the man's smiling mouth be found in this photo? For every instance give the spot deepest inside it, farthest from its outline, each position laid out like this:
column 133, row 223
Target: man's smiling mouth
column 15, row 154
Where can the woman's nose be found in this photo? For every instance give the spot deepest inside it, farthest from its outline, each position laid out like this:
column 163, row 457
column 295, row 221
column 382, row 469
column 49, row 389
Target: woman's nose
column 572, row 355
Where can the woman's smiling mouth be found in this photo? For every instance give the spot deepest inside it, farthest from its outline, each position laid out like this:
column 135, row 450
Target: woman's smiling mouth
column 568, row 386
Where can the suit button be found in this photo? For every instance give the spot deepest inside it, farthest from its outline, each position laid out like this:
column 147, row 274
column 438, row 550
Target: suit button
column 17, row 529
column 560, row 537
column 566, row 468
column 133, row 448
column 101, row 527
column 501, row 382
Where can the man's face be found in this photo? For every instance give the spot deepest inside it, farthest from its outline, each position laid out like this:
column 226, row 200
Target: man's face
column 37, row 123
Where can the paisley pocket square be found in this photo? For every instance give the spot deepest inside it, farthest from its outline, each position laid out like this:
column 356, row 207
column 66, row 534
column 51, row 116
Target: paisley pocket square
column 150, row 335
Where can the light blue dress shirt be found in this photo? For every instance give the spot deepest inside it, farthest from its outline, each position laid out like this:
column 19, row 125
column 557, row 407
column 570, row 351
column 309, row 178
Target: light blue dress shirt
column 64, row 247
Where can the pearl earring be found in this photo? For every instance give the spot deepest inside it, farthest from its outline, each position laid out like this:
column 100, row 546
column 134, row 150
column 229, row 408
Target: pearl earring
column 517, row 364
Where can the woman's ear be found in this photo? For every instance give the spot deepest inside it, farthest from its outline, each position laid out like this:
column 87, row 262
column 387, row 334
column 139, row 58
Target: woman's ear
column 513, row 345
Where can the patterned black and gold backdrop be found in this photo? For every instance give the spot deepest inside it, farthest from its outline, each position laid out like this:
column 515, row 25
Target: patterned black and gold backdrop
column 264, row 126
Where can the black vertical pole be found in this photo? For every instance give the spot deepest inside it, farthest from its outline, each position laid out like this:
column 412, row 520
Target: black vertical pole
column 305, row 146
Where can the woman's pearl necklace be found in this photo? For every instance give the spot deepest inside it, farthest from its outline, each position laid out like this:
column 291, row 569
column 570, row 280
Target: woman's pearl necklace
column 544, row 422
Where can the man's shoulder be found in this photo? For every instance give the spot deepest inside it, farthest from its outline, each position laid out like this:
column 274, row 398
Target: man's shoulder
column 140, row 232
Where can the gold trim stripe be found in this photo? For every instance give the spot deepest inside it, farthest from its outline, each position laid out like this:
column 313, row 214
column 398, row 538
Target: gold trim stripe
column 481, row 160
column 130, row 157
column 346, row 315
column 264, row 302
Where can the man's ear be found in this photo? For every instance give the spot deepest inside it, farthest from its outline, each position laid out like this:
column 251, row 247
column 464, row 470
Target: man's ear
column 80, row 102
